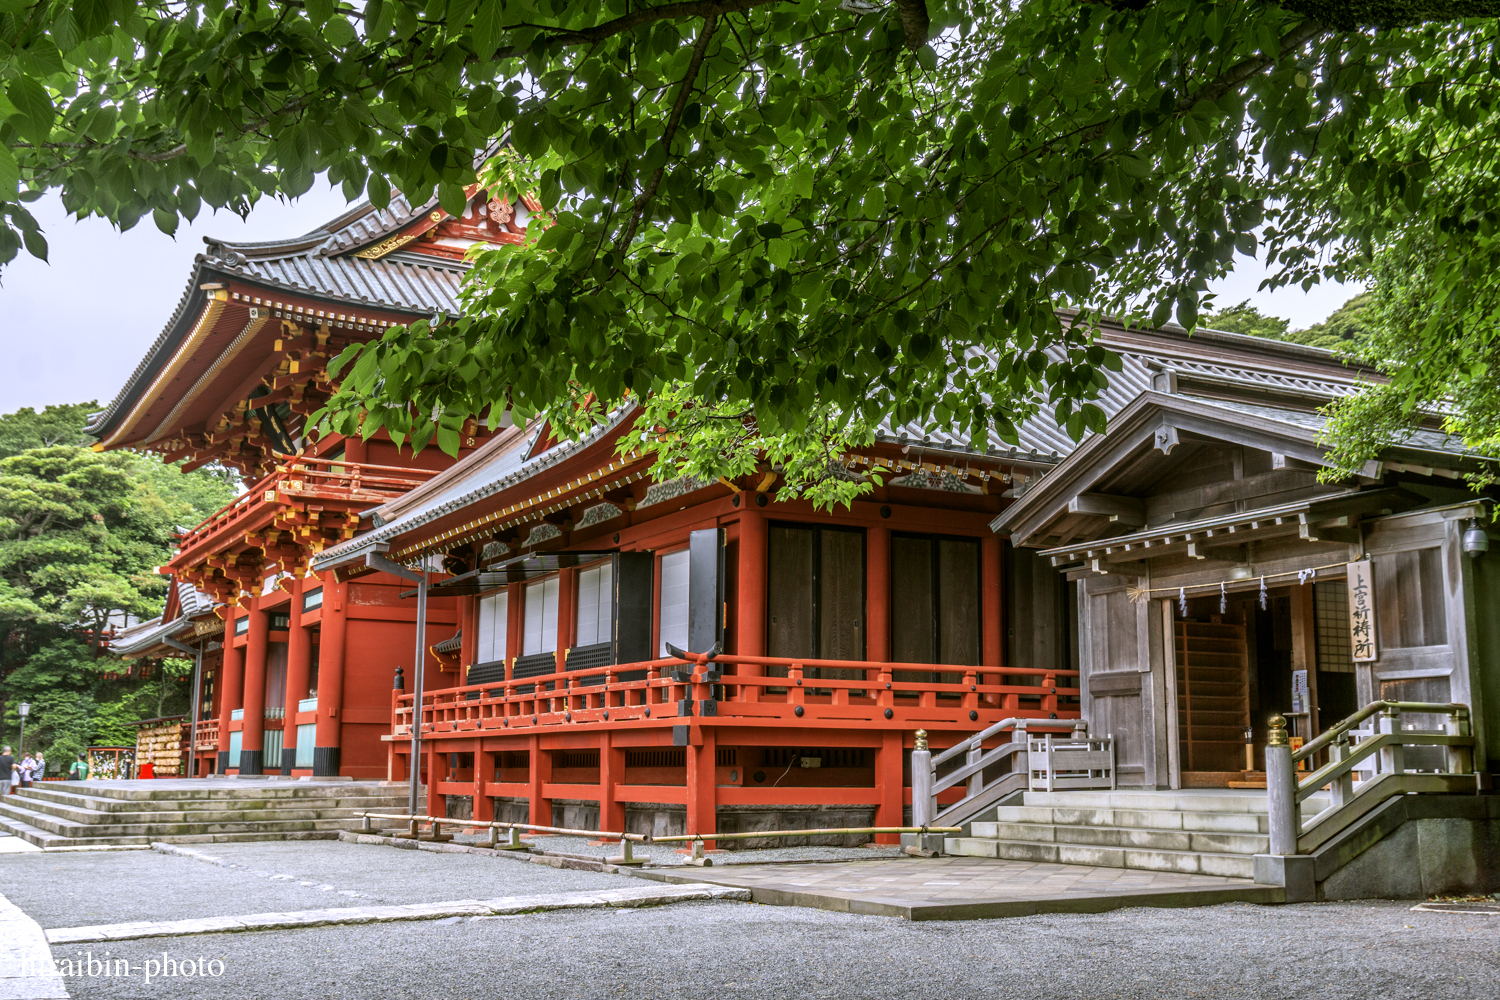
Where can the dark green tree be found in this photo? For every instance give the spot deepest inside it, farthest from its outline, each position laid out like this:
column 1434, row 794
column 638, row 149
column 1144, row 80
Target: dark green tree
column 80, row 536
column 802, row 214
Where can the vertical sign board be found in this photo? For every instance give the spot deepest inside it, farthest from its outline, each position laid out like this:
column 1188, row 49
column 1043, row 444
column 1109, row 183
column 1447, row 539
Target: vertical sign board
column 1362, row 612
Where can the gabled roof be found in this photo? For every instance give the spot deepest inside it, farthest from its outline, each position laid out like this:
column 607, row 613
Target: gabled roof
column 177, row 622
column 1137, row 450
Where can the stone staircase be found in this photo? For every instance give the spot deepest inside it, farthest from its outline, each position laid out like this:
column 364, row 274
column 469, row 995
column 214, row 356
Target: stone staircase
column 192, row 811
column 1200, row 831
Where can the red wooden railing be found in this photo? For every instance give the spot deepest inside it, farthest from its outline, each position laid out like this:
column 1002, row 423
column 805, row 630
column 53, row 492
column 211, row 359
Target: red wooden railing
column 208, row 734
column 873, row 700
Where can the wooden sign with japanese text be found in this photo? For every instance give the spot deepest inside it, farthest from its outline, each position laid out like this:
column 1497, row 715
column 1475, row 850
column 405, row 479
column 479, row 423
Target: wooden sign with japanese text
column 1362, row 612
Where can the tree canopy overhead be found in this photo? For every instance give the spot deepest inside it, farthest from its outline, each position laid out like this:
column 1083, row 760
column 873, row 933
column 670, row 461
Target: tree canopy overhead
column 789, row 208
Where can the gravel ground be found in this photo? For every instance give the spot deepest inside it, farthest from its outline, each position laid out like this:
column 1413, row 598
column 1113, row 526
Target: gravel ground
column 708, row 951
column 77, row 889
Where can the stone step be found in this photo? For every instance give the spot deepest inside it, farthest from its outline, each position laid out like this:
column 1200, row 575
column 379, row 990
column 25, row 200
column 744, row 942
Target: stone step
column 1149, row 859
column 1127, row 837
column 73, row 829
column 210, row 812
column 1195, row 800
column 269, row 791
column 1162, row 819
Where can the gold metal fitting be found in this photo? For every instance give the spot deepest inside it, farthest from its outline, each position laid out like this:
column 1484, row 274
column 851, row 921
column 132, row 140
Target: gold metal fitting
column 920, row 742
column 1277, row 737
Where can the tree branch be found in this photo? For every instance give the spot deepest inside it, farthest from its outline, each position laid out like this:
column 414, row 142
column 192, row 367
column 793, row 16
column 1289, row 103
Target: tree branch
column 647, row 15
column 673, row 120
column 915, row 22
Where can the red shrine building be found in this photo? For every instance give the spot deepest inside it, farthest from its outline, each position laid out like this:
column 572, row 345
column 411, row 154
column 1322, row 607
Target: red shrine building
column 296, row 679
column 1172, row 583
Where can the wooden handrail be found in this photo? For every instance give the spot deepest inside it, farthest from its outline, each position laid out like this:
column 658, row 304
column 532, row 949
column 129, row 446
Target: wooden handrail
column 1285, row 793
column 1332, row 733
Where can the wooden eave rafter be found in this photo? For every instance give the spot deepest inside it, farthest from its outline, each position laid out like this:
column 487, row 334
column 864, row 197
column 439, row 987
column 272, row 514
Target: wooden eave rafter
column 1330, row 518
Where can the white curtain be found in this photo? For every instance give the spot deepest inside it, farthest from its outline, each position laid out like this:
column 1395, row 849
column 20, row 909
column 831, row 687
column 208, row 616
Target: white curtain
column 673, row 623
column 541, row 617
column 494, row 613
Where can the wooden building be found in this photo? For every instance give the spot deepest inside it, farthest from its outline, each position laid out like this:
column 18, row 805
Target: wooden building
column 976, row 584
column 297, row 683
column 841, row 633
column 1215, row 581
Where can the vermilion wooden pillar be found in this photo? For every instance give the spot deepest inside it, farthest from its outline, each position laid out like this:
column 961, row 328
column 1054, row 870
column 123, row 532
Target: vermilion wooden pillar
column 437, row 770
column 298, row 668
column 750, row 614
column 702, row 791
column 331, row 678
column 252, row 761
column 611, row 773
column 231, row 687
column 484, row 770
column 538, row 808
column 991, row 610
column 891, row 783
column 878, row 596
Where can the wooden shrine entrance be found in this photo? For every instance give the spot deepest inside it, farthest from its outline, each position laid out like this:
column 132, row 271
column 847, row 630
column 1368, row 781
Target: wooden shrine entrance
column 1237, row 667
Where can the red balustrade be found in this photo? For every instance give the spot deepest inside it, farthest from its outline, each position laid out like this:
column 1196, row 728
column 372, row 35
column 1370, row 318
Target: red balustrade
column 601, row 697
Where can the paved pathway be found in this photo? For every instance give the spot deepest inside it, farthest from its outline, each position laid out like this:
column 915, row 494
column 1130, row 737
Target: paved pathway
column 26, row 969
column 962, row 888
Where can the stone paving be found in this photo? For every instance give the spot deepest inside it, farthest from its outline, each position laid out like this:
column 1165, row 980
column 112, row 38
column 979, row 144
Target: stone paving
column 962, row 888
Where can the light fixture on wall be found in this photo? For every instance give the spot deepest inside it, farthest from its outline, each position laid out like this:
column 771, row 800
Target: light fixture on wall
column 1476, row 539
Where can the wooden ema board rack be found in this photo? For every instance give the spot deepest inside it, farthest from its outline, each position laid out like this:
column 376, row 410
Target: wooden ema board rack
column 1213, row 695
column 163, row 746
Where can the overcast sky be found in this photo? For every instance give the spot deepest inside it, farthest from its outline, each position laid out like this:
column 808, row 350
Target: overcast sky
column 75, row 328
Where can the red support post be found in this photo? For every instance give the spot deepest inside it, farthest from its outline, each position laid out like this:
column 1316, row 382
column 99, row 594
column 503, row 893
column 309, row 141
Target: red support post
column 298, row 670
column 992, row 613
column 538, row 809
column 331, row 678
column 890, row 780
column 702, row 789
column 256, row 646
column 878, row 593
column 484, row 770
column 231, row 686
column 750, row 614
column 437, row 770
column 611, row 773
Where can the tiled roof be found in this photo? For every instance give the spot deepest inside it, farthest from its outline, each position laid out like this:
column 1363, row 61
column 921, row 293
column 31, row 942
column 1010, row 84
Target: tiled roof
column 463, row 484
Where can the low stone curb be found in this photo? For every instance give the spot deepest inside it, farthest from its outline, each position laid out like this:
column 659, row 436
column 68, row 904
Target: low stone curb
column 502, row 906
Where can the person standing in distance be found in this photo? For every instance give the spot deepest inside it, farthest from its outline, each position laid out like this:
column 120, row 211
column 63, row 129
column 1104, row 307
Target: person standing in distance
column 7, row 769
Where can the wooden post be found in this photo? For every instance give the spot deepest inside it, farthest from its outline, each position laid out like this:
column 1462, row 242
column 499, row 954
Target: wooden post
column 328, row 739
column 256, row 646
column 1305, row 652
column 538, row 808
column 1460, row 759
column 1341, row 789
column 878, row 594
column 484, row 769
column 923, row 808
column 991, row 610
column 1281, row 789
column 891, row 783
column 298, row 671
column 1392, row 758
column 611, row 773
column 750, row 615
column 231, row 688
column 702, row 793
column 437, row 770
